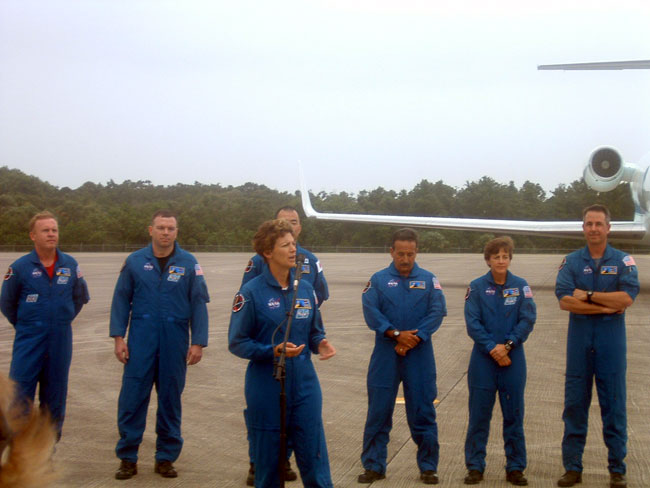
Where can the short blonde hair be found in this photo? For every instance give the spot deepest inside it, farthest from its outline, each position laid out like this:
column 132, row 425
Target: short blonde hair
column 41, row 216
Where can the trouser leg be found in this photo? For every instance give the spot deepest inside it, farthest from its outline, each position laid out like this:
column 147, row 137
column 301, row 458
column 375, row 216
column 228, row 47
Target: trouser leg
column 611, row 397
column 481, row 403
column 379, row 421
column 577, row 399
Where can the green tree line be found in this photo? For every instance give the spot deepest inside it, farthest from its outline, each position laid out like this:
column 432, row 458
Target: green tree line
column 229, row 216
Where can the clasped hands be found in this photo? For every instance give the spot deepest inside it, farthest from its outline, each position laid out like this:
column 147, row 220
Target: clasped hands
column 325, row 350
column 500, row 355
column 406, row 340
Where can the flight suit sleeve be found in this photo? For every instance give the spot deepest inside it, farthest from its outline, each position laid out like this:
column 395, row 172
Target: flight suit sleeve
column 526, row 317
column 10, row 295
column 320, row 285
column 436, row 311
column 370, row 300
column 199, row 298
column 476, row 328
column 628, row 280
column 253, row 269
column 242, row 329
column 122, row 299
column 80, row 295
column 565, row 282
column 317, row 332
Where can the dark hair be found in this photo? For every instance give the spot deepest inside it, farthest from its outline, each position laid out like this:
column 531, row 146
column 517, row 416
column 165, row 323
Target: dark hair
column 597, row 207
column 166, row 214
column 41, row 216
column 495, row 245
column 405, row 234
column 286, row 208
column 268, row 233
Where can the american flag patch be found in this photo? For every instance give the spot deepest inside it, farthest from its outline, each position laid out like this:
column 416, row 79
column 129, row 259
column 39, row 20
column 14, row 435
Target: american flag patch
column 198, row 270
column 629, row 261
column 436, row 284
column 528, row 293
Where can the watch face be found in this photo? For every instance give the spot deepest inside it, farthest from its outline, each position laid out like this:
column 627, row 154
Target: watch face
column 395, row 333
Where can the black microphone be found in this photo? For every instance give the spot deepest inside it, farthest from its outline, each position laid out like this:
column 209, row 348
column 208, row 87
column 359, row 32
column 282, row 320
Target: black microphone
column 300, row 260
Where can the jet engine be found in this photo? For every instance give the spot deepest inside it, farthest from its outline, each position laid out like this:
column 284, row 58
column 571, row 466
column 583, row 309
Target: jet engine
column 605, row 170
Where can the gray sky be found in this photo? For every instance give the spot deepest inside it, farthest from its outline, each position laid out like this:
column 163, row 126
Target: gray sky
column 364, row 93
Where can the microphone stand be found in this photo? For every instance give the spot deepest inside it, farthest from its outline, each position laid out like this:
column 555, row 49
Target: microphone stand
column 280, row 373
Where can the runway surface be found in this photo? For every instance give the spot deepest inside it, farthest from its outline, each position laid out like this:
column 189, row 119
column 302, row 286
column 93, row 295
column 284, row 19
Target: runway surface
column 215, row 450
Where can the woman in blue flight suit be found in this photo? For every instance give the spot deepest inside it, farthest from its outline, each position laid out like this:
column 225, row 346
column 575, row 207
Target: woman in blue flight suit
column 500, row 314
column 257, row 326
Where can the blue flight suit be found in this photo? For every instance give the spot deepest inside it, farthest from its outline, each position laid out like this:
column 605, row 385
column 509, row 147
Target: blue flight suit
column 162, row 307
column 495, row 314
column 42, row 310
column 391, row 301
column 312, row 272
column 596, row 346
column 257, row 323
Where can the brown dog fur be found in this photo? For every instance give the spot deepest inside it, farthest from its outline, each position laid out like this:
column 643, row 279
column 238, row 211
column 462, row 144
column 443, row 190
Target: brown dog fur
column 26, row 463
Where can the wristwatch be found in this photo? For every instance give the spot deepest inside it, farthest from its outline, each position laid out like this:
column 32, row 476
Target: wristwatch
column 509, row 345
column 590, row 293
column 395, row 334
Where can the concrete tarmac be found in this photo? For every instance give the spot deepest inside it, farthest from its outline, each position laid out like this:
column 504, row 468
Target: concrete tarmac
column 215, row 450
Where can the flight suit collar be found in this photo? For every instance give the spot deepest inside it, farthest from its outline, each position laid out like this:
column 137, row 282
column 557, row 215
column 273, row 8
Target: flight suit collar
column 393, row 271
column 490, row 279
column 33, row 257
column 606, row 255
column 270, row 279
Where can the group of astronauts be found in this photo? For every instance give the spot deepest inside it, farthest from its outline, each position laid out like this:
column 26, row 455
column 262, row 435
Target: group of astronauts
column 160, row 299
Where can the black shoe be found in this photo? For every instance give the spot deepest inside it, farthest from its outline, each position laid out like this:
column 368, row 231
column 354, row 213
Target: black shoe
column 616, row 480
column 250, row 479
column 429, row 477
column 516, row 478
column 126, row 471
column 368, row 476
column 473, row 477
column 165, row 469
column 289, row 474
column 570, row 478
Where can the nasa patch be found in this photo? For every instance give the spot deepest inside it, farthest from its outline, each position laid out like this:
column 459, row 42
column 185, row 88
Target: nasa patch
column 148, row 266
column 490, row 291
column 273, row 303
column 238, row 303
column 9, row 273
column 393, row 283
column 587, row 270
column 36, row 273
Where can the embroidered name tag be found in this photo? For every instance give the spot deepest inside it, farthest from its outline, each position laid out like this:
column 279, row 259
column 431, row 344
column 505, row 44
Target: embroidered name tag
column 302, row 313
column 32, row 298
column 510, row 300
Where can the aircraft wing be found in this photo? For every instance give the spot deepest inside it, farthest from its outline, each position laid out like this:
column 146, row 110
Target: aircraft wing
column 642, row 64
column 632, row 231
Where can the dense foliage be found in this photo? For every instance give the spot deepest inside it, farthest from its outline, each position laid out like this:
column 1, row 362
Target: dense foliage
column 211, row 215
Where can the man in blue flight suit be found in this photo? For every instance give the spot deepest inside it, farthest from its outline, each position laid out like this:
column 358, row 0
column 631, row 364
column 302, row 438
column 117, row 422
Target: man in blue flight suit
column 312, row 272
column 596, row 284
column 42, row 293
column 404, row 305
column 160, row 295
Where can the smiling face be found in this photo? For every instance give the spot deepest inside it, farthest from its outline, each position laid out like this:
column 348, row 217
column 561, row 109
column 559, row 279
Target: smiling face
column 403, row 254
column 45, row 235
column 499, row 264
column 595, row 228
column 163, row 232
column 283, row 254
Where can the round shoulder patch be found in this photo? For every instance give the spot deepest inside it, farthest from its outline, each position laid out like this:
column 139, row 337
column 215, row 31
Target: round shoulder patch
column 562, row 264
column 468, row 292
column 9, row 273
column 238, row 303
column 368, row 286
column 249, row 267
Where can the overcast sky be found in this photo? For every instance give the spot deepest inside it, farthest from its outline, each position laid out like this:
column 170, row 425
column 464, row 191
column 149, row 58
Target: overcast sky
column 364, row 93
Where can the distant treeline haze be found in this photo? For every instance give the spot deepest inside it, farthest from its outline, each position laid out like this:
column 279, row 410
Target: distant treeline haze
column 215, row 215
